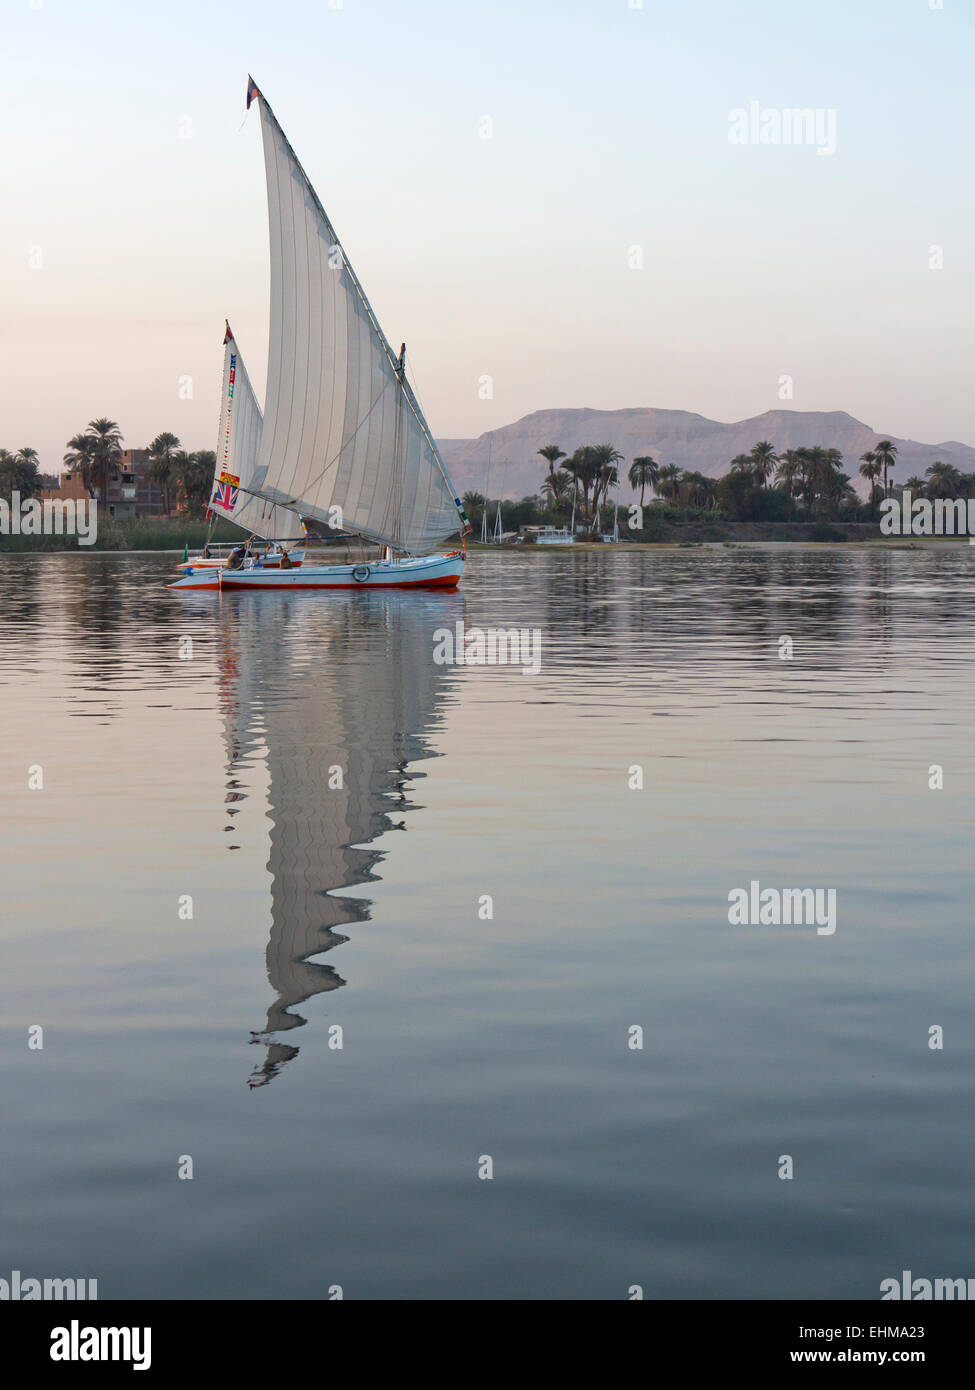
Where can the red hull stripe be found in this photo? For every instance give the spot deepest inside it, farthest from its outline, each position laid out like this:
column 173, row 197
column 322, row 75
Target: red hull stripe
column 449, row 581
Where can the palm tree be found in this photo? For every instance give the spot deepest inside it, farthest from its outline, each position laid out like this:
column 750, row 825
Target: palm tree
column 8, row 473
column 80, row 459
column 764, row 461
column 668, row 483
column 194, row 476
column 644, row 473
column 610, row 478
column 871, row 467
column 18, row 473
column 886, row 453
column 696, row 490
column 833, row 487
column 915, row 484
column 473, row 502
column 161, row 452
column 557, row 486
column 106, row 451
column 820, row 478
column 787, row 472
column 742, row 463
column 585, row 469
column 553, row 453
column 606, row 458
column 841, row 491
column 945, row 480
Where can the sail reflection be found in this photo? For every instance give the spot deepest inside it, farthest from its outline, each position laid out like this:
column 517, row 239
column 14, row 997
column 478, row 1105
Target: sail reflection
column 337, row 699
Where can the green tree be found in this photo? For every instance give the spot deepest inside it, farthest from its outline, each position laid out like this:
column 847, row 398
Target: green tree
column 944, row 481
column 162, row 450
column 837, row 492
column 736, row 492
column 764, row 461
column 644, row 473
column 106, row 452
column 474, row 504
column 193, row 474
column 553, row 453
column 871, row 469
column 18, row 473
column 743, row 464
column 696, row 490
column 668, row 482
column 585, row 469
column 557, row 487
column 886, row 454
column 80, row 459
column 788, row 473
column 607, row 475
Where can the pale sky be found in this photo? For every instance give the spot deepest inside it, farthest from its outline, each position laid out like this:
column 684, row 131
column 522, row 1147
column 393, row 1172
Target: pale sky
column 124, row 245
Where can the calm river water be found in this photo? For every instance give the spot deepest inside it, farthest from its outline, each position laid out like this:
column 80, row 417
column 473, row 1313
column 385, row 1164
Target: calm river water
column 244, row 897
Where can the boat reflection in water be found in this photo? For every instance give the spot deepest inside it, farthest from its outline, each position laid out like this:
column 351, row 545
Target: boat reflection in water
column 337, row 697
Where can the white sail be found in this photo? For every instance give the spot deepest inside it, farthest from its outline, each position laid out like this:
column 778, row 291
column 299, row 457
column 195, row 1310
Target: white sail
column 342, row 428
column 237, row 476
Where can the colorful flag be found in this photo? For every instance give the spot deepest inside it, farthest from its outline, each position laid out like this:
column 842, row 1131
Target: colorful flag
column 252, row 91
column 228, row 335
column 226, row 491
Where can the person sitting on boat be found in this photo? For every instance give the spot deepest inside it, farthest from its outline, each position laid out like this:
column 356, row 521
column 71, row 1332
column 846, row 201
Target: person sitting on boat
column 286, row 561
column 206, row 552
column 235, row 559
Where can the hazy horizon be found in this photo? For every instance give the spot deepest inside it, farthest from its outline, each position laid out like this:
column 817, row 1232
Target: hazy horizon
column 135, row 208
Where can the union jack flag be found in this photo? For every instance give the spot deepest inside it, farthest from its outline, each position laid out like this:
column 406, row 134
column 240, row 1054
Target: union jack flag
column 226, row 492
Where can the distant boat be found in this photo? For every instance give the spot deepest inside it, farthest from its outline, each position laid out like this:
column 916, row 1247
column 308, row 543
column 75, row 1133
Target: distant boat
column 343, row 441
column 487, row 494
column 554, row 535
column 498, row 534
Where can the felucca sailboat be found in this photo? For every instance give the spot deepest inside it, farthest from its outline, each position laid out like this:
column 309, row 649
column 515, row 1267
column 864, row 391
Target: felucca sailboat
column 343, row 441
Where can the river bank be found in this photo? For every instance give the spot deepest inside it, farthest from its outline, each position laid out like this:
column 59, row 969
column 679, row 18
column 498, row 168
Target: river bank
column 161, row 534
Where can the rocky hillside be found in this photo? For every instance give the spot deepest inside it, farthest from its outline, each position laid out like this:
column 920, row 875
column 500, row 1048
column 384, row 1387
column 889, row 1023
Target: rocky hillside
column 672, row 436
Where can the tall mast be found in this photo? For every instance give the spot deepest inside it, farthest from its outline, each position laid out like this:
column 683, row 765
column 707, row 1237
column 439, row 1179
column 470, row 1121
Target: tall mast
column 487, row 494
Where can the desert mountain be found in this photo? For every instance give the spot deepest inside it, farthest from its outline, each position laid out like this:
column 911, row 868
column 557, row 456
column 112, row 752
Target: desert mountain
column 672, row 436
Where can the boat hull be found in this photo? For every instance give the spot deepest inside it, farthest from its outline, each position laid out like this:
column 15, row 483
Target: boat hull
column 428, row 572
